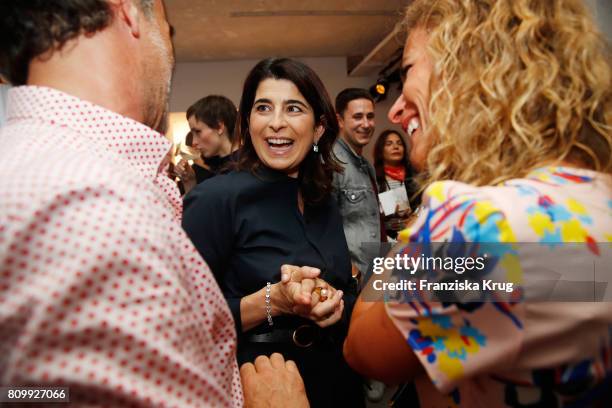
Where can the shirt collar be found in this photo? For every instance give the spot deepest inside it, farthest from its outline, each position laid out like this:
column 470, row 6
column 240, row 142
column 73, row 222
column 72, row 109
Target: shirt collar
column 138, row 145
column 358, row 160
column 270, row 175
column 349, row 149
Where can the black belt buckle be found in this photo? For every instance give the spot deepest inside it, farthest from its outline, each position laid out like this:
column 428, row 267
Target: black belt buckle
column 304, row 336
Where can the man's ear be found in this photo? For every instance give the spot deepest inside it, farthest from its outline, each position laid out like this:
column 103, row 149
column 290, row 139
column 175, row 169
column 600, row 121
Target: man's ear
column 129, row 13
column 221, row 128
column 340, row 120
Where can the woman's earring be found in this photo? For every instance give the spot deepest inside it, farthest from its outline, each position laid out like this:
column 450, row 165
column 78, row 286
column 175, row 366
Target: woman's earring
column 315, row 147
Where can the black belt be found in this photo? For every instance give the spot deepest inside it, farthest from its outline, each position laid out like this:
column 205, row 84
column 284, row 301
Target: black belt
column 303, row 336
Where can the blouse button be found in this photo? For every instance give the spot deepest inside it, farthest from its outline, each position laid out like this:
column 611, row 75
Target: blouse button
column 352, row 196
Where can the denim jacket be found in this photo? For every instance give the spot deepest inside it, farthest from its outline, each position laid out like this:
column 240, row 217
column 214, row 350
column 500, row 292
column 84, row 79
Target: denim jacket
column 357, row 202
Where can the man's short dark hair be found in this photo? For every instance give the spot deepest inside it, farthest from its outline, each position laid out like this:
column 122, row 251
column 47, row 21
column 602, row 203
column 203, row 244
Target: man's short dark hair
column 213, row 110
column 30, row 28
column 350, row 94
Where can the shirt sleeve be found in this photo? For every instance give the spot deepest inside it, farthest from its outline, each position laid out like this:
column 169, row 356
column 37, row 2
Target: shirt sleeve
column 208, row 221
column 457, row 341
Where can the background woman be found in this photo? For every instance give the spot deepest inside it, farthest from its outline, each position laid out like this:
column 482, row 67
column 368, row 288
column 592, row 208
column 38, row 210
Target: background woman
column 393, row 170
column 507, row 104
column 272, row 233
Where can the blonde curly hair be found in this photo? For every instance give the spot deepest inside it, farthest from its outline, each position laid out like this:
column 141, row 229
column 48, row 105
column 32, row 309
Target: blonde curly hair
column 516, row 84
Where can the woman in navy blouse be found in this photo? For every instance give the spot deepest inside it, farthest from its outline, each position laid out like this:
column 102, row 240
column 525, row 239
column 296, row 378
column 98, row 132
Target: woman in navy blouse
column 272, row 234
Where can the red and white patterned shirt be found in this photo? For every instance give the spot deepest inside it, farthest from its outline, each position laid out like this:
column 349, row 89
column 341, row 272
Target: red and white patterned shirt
column 100, row 289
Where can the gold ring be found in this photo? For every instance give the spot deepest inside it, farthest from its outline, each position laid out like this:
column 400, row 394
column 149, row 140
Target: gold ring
column 322, row 292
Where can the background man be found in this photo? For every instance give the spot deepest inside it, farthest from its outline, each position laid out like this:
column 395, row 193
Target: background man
column 356, row 190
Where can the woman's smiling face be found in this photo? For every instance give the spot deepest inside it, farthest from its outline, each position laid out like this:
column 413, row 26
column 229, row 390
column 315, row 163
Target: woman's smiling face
column 411, row 107
column 282, row 125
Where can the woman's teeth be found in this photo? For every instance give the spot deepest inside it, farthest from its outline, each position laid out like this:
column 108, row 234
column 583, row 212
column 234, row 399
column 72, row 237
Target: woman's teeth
column 413, row 125
column 278, row 142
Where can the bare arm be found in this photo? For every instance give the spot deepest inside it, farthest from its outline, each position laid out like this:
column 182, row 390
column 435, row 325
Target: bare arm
column 383, row 353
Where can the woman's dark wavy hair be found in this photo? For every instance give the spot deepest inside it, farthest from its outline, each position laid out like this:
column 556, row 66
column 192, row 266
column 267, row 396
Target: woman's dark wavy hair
column 410, row 182
column 379, row 161
column 317, row 170
column 30, row 28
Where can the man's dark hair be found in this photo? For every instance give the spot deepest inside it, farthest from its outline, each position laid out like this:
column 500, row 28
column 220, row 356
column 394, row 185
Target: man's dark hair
column 30, row 28
column 350, row 94
column 317, row 169
column 214, row 110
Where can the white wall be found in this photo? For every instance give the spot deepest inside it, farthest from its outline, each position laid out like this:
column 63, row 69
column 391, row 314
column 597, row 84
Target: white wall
column 194, row 80
column 602, row 11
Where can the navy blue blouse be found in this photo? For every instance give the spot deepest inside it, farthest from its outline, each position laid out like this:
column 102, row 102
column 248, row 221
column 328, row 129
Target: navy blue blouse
column 246, row 226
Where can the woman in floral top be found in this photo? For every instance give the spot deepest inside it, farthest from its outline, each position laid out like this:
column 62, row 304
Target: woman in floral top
column 507, row 104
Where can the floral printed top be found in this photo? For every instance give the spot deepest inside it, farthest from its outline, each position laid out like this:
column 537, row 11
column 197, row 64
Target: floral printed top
column 520, row 353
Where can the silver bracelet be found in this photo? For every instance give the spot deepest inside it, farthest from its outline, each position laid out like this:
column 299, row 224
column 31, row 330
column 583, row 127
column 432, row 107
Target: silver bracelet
column 268, row 304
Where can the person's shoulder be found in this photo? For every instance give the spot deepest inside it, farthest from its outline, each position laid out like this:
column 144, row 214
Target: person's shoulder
column 542, row 206
column 340, row 152
column 53, row 167
column 222, row 188
column 327, row 209
column 563, row 204
column 453, row 210
column 218, row 186
column 89, row 191
column 445, row 192
column 59, row 163
column 344, row 159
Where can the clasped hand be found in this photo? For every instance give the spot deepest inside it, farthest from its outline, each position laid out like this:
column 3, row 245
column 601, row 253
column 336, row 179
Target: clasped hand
column 296, row 294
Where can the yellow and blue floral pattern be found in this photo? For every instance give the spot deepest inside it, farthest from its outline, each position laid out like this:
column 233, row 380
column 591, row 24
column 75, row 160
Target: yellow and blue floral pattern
column 514, row 353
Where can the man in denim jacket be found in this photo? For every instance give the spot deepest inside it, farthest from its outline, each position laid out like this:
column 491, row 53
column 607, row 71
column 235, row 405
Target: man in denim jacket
column 355, row 189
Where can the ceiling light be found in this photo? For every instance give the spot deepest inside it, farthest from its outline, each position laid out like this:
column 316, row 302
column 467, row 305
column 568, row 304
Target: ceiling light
column 379, row 89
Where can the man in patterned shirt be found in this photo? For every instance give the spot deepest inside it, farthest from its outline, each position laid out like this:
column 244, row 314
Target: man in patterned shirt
column 100, row 289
